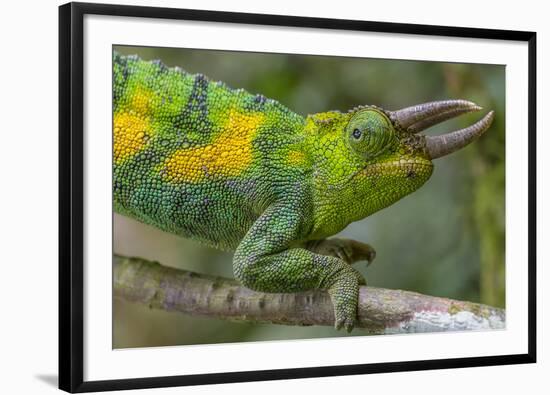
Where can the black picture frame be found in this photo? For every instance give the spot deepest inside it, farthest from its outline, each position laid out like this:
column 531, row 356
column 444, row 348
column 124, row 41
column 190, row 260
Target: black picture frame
column 71, row 171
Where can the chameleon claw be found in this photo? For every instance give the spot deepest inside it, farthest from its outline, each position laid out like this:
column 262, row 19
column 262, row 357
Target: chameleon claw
column 370, row 255
column 350, row 251
column 344, row 294
column 345, row 324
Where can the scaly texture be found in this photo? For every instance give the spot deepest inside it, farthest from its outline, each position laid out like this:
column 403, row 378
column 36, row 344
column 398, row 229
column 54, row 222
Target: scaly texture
column 242, row 172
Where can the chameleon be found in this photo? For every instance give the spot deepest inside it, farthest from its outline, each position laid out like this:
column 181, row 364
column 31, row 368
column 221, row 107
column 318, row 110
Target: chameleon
column 241, row 172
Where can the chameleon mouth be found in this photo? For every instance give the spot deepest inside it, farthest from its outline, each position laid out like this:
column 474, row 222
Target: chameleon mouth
column 420, row 117
column 403, row 168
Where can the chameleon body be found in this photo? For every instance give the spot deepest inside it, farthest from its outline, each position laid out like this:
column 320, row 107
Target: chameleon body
column 242, row 172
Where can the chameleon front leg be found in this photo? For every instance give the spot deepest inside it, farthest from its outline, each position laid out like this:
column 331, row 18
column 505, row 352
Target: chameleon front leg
column 348, row 250
column 266, row 260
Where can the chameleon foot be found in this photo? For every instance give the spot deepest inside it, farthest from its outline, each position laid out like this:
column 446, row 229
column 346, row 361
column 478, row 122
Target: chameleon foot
column 344, row 294
column 343, row 287
column 350, row 251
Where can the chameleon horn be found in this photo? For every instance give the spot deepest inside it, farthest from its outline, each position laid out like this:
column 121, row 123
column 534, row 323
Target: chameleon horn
column 417, row 118
column 438, row 146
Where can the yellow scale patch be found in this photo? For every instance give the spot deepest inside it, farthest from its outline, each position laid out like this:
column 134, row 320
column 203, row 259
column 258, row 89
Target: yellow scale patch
column 129, row 135
column 131, row 126
column 228, row 155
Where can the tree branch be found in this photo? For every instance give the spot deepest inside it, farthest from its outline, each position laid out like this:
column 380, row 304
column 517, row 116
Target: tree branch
column 380, row 310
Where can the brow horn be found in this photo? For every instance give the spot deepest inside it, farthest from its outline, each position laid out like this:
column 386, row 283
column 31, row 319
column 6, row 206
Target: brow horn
column 420, row 117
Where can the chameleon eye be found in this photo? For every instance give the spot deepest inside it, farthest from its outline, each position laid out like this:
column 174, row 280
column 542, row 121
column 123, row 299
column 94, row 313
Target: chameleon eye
column 370, row 132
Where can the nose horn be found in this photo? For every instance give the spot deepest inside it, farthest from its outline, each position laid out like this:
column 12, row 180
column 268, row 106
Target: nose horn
column 417, row 118
column 445, row 144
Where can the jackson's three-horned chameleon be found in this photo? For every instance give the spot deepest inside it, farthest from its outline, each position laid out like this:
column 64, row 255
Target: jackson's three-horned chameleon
column 242, row 172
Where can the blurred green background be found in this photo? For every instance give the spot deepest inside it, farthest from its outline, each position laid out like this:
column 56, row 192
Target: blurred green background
column 446, row 239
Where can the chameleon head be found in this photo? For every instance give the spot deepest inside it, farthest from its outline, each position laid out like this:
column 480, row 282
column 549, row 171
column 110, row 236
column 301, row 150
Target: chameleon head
column 377, row 157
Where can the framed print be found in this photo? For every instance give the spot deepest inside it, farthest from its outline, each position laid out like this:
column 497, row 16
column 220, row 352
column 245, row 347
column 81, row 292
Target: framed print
column 230, row 182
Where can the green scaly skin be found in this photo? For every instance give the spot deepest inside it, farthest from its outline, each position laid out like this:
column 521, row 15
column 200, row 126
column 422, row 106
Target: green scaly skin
column 242, row 172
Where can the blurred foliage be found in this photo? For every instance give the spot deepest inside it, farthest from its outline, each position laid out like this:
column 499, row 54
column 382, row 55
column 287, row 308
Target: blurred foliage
column 446, row 239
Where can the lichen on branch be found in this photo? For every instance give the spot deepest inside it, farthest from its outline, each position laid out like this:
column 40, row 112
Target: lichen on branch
column 380, row 310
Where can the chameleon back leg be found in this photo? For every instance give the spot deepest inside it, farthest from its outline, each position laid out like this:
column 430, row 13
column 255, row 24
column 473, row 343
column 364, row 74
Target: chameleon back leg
column 350, row 251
